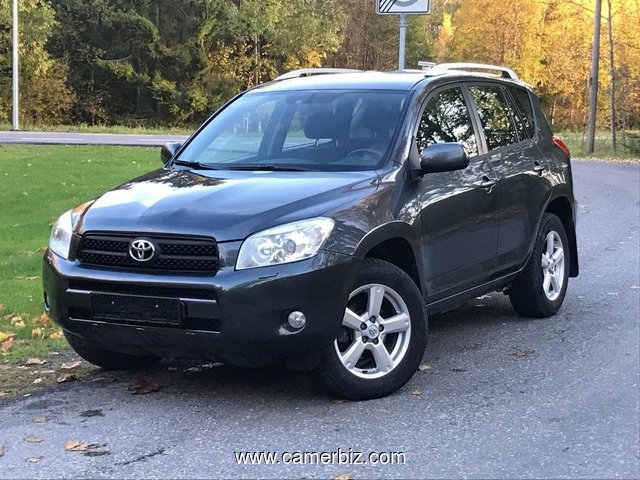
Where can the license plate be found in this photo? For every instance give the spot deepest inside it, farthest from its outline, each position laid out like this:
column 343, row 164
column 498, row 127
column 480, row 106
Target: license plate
column 128, row 308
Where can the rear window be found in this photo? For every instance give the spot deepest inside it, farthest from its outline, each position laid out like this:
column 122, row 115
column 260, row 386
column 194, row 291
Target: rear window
column 525, row 119
column 494, row 113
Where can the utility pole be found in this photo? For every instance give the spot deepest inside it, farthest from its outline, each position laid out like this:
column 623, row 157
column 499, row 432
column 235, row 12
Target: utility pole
column 612, row 88
column 403, row 41
column 16, row 95
column 595, row 65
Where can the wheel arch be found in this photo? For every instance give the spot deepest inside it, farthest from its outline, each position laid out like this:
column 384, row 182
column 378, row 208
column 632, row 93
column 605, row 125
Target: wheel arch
column 562, row 208
column 396, row 243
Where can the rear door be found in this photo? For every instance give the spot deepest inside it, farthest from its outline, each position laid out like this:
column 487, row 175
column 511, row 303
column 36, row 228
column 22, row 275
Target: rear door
column 458, row 213
column 509, row 138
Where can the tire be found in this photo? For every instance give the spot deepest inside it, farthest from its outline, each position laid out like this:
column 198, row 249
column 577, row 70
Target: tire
column 372, row 374
column 107, row 359
column 530, row 294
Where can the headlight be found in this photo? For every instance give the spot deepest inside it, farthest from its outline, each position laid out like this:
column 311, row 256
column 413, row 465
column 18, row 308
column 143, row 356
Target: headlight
column 60, row 240
column 62, row 231
column 285, row 244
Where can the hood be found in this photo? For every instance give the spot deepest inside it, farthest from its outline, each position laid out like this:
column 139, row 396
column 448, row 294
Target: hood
column 226, row 205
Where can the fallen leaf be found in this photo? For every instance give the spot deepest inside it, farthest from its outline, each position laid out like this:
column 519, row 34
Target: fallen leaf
column 424, row 367
column 6, row 336
column 34, row 459
column 74, row 446
column 35, row 361
column 6, row 345
column 40, row 420
column 143, row 387
column 343, row 476
column 37, row 380
column 70, row 365
column 37, row 332
column 16, row 320
column 523, row 353
column 416, row 392
column 66, row 377
column 44, row 319
column 1, row 307
column 33, row 439
column 57, row 335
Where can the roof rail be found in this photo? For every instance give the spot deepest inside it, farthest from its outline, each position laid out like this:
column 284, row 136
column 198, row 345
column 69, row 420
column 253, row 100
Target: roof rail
column 309, row 72
column 504, row 72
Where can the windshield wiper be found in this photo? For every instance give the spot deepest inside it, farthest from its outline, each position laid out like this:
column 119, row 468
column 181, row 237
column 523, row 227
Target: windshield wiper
column 196, row 165
column 268, row 168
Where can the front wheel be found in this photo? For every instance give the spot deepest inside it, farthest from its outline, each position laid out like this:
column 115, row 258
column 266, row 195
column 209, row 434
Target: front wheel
column 384, row 331
column 540, row 288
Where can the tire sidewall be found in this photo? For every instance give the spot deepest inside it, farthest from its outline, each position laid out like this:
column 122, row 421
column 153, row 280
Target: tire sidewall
column 359, row 388
column 552, row 223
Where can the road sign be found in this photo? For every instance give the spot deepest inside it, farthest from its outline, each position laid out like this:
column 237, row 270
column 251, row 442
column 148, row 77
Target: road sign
column 395, row 7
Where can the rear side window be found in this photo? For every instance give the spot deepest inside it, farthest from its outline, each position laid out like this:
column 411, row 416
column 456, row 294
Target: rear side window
column 525, row 119
column 493, row 111
column 446, row 118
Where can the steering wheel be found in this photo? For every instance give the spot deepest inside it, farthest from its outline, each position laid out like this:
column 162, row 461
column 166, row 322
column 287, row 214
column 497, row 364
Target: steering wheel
column 359, row 152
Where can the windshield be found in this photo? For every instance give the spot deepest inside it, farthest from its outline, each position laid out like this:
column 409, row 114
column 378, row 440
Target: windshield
column 331, row 130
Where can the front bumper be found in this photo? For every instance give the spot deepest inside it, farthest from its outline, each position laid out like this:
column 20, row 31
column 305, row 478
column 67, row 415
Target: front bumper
column 236, row 316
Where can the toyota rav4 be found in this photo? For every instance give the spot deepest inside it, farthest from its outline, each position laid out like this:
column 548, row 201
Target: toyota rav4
column 316, row 220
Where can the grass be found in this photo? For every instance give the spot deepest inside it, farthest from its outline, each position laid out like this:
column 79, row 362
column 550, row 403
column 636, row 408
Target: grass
column 36, row 185
column 120, row 129
column 576, row 143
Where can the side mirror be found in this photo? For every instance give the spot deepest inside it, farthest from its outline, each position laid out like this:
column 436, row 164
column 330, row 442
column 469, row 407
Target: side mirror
column 443, row 157
column 168, row 151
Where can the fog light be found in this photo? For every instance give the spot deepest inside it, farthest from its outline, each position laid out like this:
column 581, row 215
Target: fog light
column 297, row 320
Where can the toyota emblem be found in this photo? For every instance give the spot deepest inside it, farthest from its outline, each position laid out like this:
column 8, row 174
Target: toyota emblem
column 142, row 250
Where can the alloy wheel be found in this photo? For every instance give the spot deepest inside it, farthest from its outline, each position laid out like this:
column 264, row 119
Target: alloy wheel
column 553, row 265
column 376, row 332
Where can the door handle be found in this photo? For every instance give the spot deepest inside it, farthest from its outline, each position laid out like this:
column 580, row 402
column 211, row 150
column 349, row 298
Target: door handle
column 539, row 168
column 487, row 183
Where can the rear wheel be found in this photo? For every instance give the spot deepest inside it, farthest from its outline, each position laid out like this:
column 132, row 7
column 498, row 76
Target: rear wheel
column 107, row 359
column 383, row 336
column 541, row 287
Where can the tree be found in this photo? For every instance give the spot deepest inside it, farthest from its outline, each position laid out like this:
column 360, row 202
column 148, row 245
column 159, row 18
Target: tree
column 44, row 95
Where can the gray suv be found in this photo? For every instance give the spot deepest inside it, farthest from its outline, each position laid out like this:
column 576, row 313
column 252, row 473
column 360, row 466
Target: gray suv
column 315, row 221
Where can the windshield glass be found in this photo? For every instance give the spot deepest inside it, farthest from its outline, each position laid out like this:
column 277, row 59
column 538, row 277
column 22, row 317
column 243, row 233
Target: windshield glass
column 315, row 130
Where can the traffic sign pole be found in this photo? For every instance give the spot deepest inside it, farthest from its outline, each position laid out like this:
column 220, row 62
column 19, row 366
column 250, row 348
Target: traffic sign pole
column 16, row 124
column 402, row 8
column 403, row 41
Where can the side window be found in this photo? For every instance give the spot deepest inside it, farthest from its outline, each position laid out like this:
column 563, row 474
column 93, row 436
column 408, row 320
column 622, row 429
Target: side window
column 523, row 102
column 493, row 111
column 446, row 118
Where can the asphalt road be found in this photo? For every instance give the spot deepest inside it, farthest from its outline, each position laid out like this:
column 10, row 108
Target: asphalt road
column 566, row 406
column 50, row 138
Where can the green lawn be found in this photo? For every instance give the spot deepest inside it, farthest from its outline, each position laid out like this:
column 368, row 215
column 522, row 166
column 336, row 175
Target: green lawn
column 36, row 185
column 122, row 129
column 576, row 143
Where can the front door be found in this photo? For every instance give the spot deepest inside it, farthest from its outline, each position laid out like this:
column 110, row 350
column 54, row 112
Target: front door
column 458, row 212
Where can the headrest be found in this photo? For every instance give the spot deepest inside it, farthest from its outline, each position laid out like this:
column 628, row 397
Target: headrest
column 380, row 118
column 321, row 125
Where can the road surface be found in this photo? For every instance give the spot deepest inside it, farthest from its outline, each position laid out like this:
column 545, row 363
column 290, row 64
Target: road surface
column 505, row 396
column 57, row 138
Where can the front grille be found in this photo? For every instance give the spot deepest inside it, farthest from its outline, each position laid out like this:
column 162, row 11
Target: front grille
column 172, row 254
